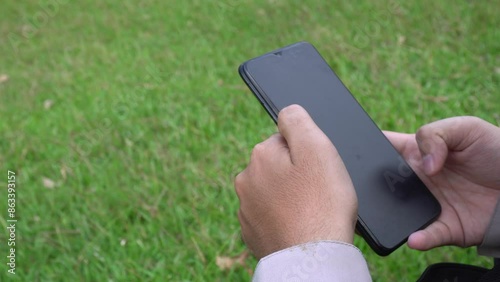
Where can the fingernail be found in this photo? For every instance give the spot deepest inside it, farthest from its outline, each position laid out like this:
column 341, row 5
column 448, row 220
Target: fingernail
column 428, row 164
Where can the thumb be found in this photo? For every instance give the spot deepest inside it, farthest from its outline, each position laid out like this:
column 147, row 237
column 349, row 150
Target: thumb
column 302, row 135
column 435, row 235
column 436, row 139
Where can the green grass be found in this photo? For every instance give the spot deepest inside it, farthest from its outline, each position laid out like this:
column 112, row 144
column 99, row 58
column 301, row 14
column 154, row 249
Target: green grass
column 135, row 110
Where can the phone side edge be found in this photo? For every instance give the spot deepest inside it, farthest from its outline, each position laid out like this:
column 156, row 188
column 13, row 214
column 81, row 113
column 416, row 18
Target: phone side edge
column 246, row 77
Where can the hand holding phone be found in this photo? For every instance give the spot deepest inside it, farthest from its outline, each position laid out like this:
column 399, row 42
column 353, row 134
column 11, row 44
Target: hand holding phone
column 275, row 215
column 393, row 201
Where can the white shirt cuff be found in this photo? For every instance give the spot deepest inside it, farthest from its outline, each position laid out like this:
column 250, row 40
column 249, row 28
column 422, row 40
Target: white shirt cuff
column 314, row 261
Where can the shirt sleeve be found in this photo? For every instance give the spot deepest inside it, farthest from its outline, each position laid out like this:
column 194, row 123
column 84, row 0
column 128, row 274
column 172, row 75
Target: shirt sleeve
column 491, row 242
column 315, row 261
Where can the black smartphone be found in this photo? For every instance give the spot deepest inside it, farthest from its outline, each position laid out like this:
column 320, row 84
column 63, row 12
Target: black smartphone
column 393, row 201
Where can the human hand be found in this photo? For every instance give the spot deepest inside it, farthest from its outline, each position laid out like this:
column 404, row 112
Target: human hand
column 295, row 189
column 459, row 161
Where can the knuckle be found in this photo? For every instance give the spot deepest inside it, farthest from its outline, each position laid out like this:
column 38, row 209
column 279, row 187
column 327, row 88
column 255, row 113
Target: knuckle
column 240, row 217
column 239, row 181
column 472, row 119
column 429, row 134
column 423, row 132
column 477, row 124
column 258, row 150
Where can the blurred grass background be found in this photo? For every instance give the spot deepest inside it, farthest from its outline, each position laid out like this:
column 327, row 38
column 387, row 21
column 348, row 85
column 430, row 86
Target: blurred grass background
column 126, row 121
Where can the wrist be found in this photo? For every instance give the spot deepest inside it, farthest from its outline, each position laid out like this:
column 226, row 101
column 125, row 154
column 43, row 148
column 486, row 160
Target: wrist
column 335, row 232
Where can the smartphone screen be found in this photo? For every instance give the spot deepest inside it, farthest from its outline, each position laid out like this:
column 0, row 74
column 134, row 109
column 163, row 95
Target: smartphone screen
column 393, row 201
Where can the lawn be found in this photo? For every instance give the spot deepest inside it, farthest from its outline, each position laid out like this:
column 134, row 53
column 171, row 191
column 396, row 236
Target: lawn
column 126, row 121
